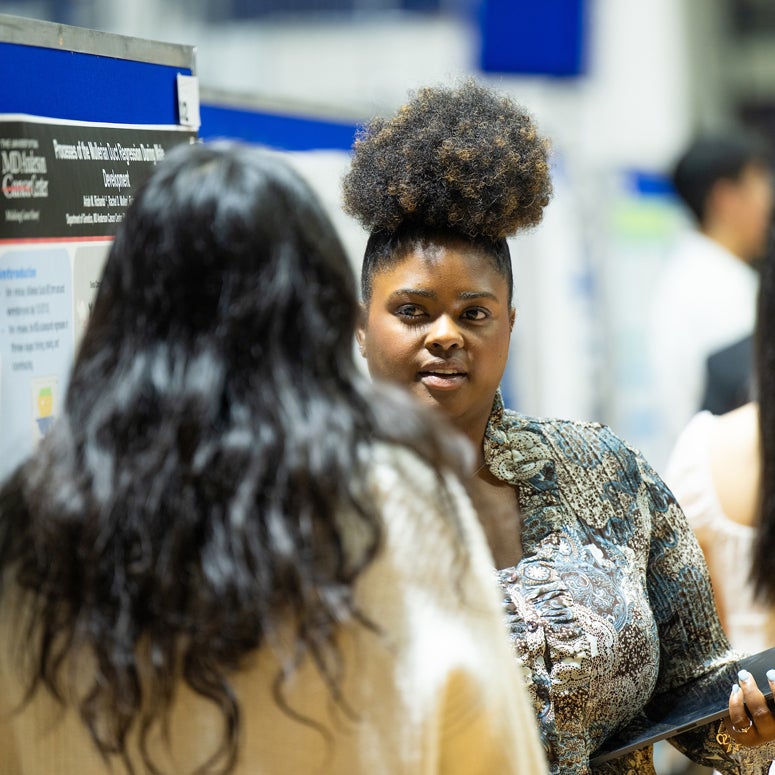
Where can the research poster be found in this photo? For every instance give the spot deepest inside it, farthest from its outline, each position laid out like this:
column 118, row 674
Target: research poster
column 65, row 187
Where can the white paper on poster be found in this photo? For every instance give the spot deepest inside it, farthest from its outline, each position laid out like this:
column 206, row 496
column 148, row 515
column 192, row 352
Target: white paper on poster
column 188, row 100
column 36, row 342
column 88, row 261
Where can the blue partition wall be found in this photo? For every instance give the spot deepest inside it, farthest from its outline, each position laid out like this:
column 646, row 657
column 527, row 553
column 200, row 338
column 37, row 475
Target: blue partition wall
column 85, row 87
column 72, row 73
column 533, row 37
column 282, row 132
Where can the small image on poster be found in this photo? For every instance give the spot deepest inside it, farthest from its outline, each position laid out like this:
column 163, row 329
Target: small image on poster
column 45, row 405
column 88, row 261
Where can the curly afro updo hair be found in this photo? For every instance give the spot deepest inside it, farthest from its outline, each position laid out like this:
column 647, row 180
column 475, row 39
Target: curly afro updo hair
column 463, row 159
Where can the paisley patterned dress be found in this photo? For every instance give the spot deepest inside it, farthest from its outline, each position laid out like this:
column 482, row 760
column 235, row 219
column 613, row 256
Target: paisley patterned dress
column 610, row 610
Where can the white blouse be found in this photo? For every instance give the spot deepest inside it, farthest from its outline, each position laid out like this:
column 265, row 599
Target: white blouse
column 727, row 544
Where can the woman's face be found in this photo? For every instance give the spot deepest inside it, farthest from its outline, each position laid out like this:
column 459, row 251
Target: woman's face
column 439, row 323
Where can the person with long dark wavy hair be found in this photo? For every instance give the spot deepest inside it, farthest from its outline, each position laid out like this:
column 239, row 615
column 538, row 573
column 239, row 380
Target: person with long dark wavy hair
column 603, row 583
column 722, row 470
column 232, row 554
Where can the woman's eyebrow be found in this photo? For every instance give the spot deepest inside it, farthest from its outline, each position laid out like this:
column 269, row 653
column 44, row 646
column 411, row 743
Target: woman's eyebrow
column 428, row 294
column 477, row 295
column 414, row 292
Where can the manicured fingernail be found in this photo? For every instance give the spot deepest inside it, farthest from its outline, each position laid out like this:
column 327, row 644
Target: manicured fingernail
column 771, row 675
column 743, row 675
column 735, row 689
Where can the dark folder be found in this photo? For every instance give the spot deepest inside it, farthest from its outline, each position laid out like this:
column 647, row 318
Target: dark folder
column 696, row 704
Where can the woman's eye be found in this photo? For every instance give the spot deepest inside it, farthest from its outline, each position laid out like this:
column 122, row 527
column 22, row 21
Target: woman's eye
column 410, row 311
column 475, row 313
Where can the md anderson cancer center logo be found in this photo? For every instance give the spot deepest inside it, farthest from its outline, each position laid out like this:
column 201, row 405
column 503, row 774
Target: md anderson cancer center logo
column 23, row 180
column 23, row 174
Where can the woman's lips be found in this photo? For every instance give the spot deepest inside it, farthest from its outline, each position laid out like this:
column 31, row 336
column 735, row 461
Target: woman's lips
column 442, row 380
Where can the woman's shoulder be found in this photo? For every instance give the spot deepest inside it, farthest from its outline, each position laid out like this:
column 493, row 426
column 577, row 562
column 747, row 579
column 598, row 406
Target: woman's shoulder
column 575, row 440
column 390, row 465
column 581, row 464
column 714, row 468
column 413, row 493
column 432, row 537
column 688, row 472
column 735, row 463
column 591, row 464
column 739, row 426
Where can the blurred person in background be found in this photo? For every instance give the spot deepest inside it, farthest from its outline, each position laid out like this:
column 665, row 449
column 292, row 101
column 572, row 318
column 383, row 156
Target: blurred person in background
column 604, row 586
column 232, row 554
column 705, row 299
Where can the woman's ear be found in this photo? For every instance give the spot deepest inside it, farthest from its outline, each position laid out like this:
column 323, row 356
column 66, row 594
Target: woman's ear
column 512, row 318
column 360, row 330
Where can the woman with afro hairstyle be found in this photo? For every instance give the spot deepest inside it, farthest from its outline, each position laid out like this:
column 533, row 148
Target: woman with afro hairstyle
column 605, row 588
column 209, row 565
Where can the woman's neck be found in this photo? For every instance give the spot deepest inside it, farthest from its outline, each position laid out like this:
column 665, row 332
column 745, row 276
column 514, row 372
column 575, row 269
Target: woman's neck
column 475, row 434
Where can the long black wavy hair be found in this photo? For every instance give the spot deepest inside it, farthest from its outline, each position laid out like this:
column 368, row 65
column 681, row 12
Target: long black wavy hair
column 763, row 565
column 215, row 431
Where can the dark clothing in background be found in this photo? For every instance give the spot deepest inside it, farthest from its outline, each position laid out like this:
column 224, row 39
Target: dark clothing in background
column 729, row 377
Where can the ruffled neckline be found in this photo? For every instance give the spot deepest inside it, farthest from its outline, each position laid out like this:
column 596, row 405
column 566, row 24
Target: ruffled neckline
column 516, row 452
column 514, row 463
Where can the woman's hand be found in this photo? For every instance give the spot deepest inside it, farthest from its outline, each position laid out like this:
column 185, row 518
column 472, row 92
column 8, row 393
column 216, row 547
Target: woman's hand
column 751, row 722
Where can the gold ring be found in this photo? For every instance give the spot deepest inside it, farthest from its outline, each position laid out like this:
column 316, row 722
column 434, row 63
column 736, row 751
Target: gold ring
column 745, row 730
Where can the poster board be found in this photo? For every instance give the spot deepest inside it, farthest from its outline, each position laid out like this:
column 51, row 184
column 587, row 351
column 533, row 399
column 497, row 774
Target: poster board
column 65, row 184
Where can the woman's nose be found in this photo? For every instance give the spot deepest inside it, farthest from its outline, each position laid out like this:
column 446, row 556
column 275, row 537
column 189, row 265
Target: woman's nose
column 444, row 334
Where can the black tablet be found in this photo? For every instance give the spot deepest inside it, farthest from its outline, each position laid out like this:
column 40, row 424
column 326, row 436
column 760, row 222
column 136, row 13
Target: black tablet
column 696, row 704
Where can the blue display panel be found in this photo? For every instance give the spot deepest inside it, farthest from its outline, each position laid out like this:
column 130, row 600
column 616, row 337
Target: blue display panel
column 282, row 132
column 86, row 87
column 533, row 37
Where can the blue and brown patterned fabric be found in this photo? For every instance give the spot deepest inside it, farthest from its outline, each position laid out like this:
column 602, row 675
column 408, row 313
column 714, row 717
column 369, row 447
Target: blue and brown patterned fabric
column 610, row 608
